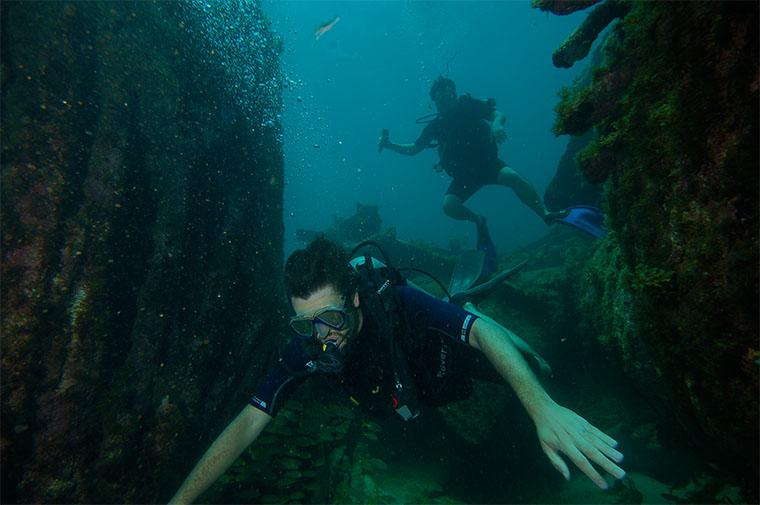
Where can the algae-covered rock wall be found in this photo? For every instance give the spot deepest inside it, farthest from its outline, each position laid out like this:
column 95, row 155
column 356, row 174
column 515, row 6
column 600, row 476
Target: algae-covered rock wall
column 141, row 244
column 673, row 290
column 568, row 186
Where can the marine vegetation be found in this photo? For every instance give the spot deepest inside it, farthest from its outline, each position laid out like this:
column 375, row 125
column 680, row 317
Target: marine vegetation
column 673, row 110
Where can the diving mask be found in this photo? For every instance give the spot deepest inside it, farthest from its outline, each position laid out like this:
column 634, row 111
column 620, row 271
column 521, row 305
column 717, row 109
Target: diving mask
column 320, row 324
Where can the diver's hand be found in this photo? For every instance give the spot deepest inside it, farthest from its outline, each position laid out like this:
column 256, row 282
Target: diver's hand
column 384, row 141
column 561, row 430
column 498, row 130
column 499, row 135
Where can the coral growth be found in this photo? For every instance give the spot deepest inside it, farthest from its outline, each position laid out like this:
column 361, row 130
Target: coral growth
column 674, row 110
column 652, row 279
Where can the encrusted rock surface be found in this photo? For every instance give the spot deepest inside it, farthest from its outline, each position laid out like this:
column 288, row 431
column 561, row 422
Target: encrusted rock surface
column 672, row 291
column 141, row 245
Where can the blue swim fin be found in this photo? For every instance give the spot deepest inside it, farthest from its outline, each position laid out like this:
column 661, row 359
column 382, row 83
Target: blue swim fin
column 585, row 218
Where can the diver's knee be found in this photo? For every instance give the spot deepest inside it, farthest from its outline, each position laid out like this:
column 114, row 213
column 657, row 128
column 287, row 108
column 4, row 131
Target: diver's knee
column 452, row 206
column 508, row 177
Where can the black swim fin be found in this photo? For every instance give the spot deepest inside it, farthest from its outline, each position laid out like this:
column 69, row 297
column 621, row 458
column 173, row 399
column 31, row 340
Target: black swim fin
column 466, row 272
column 477, row 266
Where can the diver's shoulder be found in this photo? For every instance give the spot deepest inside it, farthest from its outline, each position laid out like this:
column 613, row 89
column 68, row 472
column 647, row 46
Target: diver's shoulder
column 414, row 294
column 469, row 100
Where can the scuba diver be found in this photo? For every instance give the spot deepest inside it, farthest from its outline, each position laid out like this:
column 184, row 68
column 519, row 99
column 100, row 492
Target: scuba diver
column 467, row 132
column 395, row 349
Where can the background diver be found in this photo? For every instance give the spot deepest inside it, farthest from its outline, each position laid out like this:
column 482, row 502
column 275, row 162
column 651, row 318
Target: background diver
column 467, row 132
column 358, row 321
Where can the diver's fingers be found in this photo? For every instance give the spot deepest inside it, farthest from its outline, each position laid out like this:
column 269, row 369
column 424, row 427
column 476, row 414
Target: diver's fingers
column 556, row 461
column 603, row 455
column 598, row 451
column 583, row 464
column 607, row 450
column 606, row 438
column 598, row 455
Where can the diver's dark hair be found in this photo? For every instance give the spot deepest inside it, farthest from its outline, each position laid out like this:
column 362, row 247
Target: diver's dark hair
column 442, row 83
column 321, row 263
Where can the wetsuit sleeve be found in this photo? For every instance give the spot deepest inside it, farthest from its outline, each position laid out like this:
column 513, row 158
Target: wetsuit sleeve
column 430, row 314
column 272, row 394
column 429, row 134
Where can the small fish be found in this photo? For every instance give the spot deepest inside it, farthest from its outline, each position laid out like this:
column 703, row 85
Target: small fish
column 326, row 27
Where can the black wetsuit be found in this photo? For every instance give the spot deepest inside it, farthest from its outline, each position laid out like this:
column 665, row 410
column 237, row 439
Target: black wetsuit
column 466, row 146
column 435, row 345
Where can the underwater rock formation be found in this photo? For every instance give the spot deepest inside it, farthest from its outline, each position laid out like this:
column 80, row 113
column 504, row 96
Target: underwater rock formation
column 672, row 291
column 142, row 234
column 563, row 7
column 577, row 45
column 568, row 186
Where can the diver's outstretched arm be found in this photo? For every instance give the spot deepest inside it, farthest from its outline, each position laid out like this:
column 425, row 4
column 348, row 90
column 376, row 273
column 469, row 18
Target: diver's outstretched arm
column 560, row 430
column 523, row 346
column 406, row 149
column 238, row 435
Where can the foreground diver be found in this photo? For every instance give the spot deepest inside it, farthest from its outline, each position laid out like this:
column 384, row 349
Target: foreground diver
column 394, row 349
column 467, row 131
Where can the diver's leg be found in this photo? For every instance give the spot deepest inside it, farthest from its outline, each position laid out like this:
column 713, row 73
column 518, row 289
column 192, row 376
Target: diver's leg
column 459, row 191
column 455, row 209
column 524, row 191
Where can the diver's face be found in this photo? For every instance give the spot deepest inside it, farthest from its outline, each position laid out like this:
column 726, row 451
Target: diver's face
column 328, row 298
column 445, row 99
